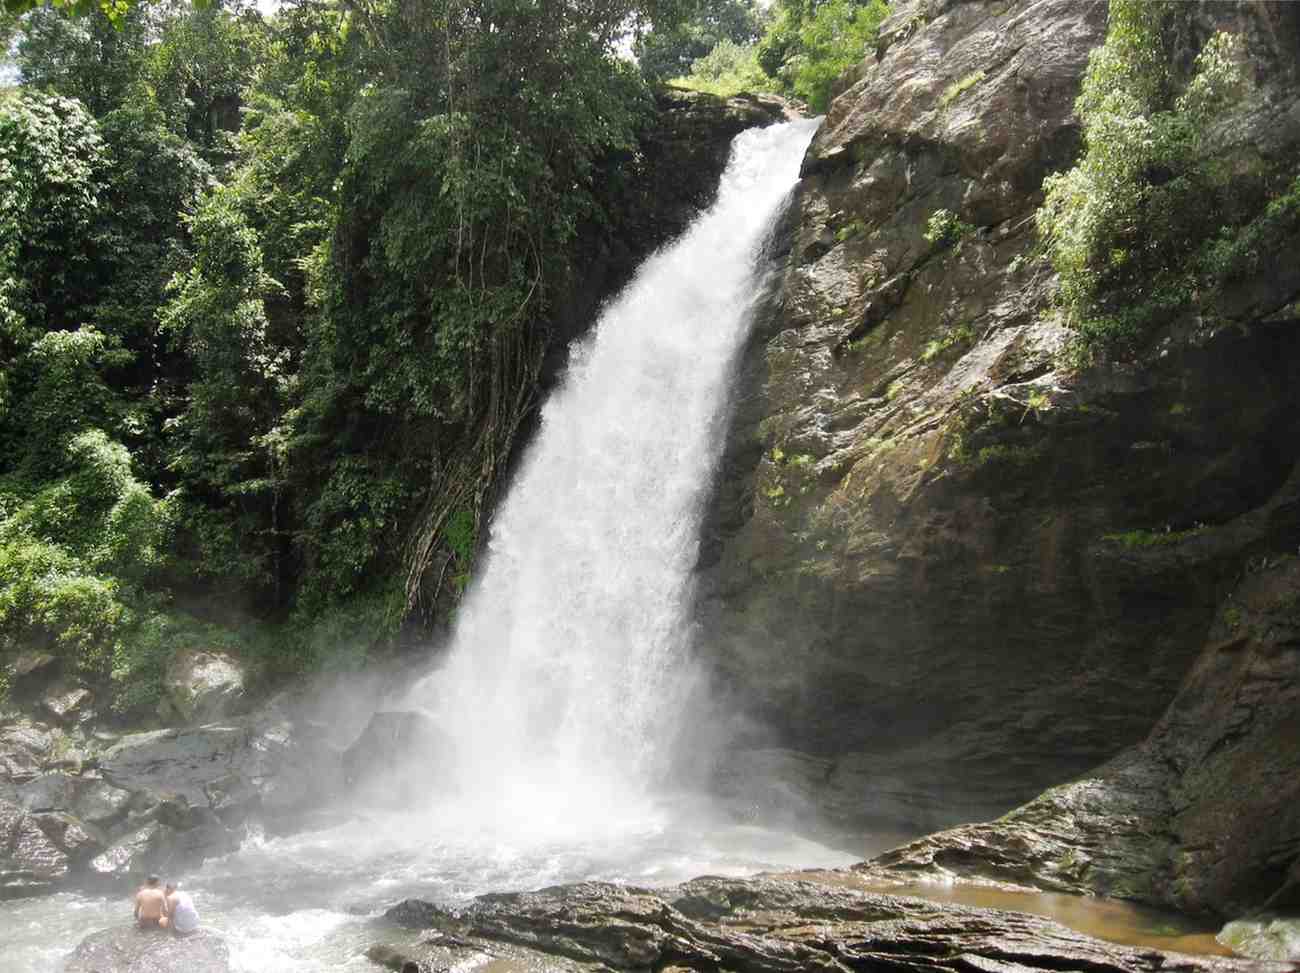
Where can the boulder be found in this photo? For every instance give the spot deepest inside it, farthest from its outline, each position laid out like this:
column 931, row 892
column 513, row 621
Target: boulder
column 176, row 761
column 76, row 839
column 204, row 686
column 68, row 703
column 48, row 792
column 392, row 958
column 25, row 748
column 397, row 757
column 34, row 663
column 30, row 673
column 30, row 863
column 773, row 924
column 99, row 802
column 130, row 950
column 133, row 855
column 1264, row 937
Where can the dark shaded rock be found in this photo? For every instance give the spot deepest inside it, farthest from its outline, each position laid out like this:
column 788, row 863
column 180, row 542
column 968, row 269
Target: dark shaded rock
column 393, row 958
column 653, row 193
column 1203, row 816
column 30, row 863
column 204, row 686
column 129, row 950
column 769, row 924
column 397, row 757
column 32, row 663
column 48, row 792
column 938, row 560
column 239, row 768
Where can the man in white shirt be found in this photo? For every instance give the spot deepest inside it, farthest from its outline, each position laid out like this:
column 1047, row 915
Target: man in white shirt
column 181, row 914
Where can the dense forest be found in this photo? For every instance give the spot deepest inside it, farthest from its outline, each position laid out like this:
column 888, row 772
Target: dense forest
column 275, row 290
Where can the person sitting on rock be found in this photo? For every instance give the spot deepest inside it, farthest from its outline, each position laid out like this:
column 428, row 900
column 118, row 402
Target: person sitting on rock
column 181, row 914
column 150, row 905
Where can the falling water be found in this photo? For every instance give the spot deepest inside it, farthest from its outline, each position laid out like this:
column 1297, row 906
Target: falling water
column 565, row 685
column 568, row 670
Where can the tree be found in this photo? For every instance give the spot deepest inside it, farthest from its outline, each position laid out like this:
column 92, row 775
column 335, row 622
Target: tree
column 91, row 58
column 669, row 51
column 810, row 45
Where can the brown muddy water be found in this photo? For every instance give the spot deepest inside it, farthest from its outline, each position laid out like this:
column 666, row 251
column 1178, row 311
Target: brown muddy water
column 1112, row 920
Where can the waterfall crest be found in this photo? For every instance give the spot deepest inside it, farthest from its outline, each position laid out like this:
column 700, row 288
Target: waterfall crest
column 568, row 668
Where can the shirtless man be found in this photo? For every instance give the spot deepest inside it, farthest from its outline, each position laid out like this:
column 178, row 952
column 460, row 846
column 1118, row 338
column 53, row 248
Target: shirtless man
column 150, row 905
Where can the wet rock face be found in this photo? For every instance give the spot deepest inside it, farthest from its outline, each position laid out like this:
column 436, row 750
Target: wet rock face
column 129, row 950
column 937, row 560
column 1201, row 816
column 771, row 924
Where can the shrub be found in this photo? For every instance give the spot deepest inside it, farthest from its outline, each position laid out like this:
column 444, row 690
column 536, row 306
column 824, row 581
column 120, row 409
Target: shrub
column 944, row 229
column 1126, row 226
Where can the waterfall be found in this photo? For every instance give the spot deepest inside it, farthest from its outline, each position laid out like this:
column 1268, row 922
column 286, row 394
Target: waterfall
column 564, row 684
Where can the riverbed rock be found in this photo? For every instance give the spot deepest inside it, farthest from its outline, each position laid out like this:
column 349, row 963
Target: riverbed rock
column 203, row 687
column 782, row 924
column 939, row 557
column 129, row 950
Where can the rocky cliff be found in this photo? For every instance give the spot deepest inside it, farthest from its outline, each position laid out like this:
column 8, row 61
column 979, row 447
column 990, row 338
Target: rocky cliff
column 945, row 568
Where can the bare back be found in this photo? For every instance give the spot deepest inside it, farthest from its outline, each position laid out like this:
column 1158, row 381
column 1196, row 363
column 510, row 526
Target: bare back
column 150, row 903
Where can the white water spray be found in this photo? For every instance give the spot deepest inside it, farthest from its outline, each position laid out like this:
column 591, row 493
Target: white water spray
column 565, row 681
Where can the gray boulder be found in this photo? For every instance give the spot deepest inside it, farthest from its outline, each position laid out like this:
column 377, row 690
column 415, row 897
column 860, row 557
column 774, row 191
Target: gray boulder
column 68, row 703
column 31, row 671
column 24, row 749
column 30, row 862
column 99, row 802
column 129, row 950
column 204, row 686
column 48, row 792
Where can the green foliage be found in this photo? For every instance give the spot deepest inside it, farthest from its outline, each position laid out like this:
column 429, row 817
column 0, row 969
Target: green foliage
column 957, row 88
column 74, row 550
column 726, row 70
column 945, row 229
column 1150, row 215
column 95, row 59
column 1153, row 538
column 114, row 10
column 670, row 52
column 461, row 534
column 953, row 338
column 809, row 46
column 50, row 157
